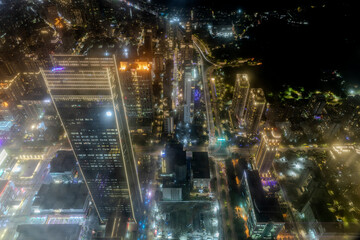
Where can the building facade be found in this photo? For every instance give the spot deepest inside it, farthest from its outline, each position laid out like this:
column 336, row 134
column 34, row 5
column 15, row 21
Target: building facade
column 254, row 110
column 269, row 144
column 136, row 82
column 188, row 94
column 241, row 92
column 88, row 98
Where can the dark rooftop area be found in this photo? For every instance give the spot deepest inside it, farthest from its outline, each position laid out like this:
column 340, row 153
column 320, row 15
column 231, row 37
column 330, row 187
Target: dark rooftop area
column 61, row 196
column 266, row 208
column 174, row 152
column 44, row 231
column 63, row 162
column 200, row 165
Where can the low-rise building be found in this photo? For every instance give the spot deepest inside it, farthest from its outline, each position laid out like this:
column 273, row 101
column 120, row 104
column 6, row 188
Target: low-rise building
column 320, row 222
column 24, row 171
column 61, row 198
column 48, row 231
column 63, row 167
column 172, row 194
column 200, row 170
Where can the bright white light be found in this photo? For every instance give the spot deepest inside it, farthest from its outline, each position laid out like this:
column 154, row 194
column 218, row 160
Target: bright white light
column 297, row 166
column 109, row 113
column 16, row 169
column 351, row 91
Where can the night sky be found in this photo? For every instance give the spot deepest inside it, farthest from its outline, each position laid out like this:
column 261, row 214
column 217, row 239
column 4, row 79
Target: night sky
column 299, row 55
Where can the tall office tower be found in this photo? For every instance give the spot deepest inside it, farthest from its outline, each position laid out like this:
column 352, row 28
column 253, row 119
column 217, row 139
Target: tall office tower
column 241, row 92
column 136, row 82
column 188, row 32
column 167, row 96
column 188, row 94
column 269, row 144
column 148, row 51
column 254, row 110
column 186, row 46
column 87, row 95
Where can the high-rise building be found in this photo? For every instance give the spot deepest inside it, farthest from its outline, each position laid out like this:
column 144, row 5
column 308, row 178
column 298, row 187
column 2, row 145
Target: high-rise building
column 254, row 110
column 136, row 82
column 148, row 49
column 186, row 46
column 167, row 97
column 269, row 144
column 241, row 92
column 87, row 95
column 262, row 214
column 188, row 94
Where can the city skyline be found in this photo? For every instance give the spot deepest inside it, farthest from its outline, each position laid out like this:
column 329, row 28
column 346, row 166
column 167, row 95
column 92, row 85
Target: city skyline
column 153, row 119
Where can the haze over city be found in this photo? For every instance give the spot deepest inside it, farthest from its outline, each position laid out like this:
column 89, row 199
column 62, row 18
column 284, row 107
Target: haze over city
column 192, row 119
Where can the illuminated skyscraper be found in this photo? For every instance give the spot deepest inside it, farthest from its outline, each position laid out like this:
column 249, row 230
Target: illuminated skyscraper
column 255, row 108
column 88, row 99
column 241, row 92
column 188, row 94
column 136, row 82
column 270, row 141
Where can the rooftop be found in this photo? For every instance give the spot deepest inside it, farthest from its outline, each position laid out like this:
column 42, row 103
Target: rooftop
column 266, row 209
column 200, row 165
column 64, row 161
column 272, row 136
column 175, row 153
column 61, row 196
column 258, row 95
column 243, row 80
column 26, row 169
column 44, row 231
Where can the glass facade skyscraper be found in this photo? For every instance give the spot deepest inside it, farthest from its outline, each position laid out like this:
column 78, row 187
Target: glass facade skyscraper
column 87, row 95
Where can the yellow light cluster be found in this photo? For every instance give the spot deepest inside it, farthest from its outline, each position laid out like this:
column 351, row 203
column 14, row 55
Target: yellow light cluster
column 7, row 83
column 136, row 66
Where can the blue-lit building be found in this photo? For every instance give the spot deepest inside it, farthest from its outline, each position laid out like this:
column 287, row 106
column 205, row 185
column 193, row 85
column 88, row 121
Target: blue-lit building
column 88, row 99
column 263, row 215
